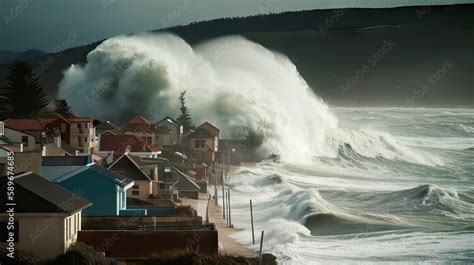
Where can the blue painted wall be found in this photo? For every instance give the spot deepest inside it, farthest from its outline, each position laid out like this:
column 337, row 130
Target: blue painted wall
column 105, row 195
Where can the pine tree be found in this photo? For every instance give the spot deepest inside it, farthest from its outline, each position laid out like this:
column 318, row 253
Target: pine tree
column 62, row 107
column 185, row 116
column 24, row 96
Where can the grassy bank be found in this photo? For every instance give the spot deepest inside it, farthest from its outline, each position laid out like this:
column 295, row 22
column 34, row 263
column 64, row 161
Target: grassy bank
column 81, row 254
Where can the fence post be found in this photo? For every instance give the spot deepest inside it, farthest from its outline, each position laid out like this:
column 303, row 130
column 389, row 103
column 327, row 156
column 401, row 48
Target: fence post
column 251, row 219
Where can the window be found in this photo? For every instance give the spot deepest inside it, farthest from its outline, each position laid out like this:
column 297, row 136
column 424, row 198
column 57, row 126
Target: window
column 24, row 140
column 63, row 127
column 199, row 143
column 86, row 139
column 162, row 186
column 86, row 125
column 79, row 126
column 148, row 139
column 136, row 190
column 4, row 232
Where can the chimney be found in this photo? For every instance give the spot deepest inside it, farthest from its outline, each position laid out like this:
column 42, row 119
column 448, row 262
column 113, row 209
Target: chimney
column 154, row 173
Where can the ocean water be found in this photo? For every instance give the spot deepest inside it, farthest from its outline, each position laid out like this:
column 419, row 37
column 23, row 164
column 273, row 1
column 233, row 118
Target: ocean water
column 399, row 189
column 353, row 185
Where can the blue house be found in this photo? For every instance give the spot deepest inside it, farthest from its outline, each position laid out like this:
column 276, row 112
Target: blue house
column 107, row 190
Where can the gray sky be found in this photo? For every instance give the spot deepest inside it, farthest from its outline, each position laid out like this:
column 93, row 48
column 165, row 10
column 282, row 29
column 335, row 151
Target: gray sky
column 52, row 24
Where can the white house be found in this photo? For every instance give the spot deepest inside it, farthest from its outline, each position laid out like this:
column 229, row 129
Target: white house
column 46, row 219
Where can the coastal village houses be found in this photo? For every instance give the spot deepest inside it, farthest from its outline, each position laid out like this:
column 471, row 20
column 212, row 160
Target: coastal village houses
column 145, row 184
column 47, row 220
column 204, row 141
column 141, row 127
column 115, row 175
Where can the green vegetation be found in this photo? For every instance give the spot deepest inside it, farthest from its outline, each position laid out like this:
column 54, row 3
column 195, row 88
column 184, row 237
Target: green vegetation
column 82, row 254
column 185, row 116
column 62, row 107
column 24, row 97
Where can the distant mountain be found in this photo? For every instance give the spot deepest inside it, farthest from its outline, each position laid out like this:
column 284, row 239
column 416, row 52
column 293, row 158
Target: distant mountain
column 7, row 56
column 28, row 55
column 330, row 46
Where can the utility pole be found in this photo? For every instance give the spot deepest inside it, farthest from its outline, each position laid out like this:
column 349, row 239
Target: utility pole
column 215, row 189
column 251, row 219
column 228, row 206
column 261, row 246
column 223, row 193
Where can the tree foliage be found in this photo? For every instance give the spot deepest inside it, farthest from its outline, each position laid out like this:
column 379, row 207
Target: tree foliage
column 62, row 107
column 24, row 96
column 184, row 118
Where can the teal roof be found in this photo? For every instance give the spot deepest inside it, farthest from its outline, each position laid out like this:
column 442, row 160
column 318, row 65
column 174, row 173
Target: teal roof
column 53, row 172
column 118, row 179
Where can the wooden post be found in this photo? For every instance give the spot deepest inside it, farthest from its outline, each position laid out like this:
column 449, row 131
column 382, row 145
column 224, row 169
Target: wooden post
column 261, row 246
column 228, row 161
column 207, row 208
column 228, row 206
column 223, row 193
column 215, row 190
column 251, row 219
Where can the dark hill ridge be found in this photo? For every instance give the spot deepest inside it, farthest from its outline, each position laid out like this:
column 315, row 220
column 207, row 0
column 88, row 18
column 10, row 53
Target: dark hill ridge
column 330, row 46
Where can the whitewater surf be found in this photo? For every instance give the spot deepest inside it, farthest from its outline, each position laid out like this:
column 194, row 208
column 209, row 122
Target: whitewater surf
column 353, row 185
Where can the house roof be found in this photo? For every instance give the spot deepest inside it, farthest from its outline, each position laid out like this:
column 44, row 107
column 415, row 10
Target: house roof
column 201, row 133
column 149, row 128
column 69, row 149
column 4, row 139
column 208, row 123
column 24, row 124
column 104, row 126
column 66, row 160
column 53, row 172
column 46, row 120
column 120, row 143
column 127, row 165
column 138, row 120
column 117, row 178
column 183, row 179
column 79, row 119
column 35, row 194
column 30, row 126
column 167, row 118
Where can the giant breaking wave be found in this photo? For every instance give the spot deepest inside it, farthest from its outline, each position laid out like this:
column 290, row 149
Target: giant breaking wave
column 237, row 84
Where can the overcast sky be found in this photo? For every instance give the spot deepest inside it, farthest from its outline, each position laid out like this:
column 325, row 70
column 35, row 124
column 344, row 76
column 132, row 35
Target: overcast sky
column 48, row 24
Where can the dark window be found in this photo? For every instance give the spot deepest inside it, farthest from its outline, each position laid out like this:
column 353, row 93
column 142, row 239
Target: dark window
column 79, row 126
column 4, row 232
column 136, row 190
column 63, row 127
column 24, row 140
column 162, row 186
column 199, row 143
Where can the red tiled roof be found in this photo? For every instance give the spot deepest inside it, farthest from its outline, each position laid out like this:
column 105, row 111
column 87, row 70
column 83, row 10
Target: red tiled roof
column 119, row 144
column 138, row 120
column 79, row 119
column 30, row 126
column 24, row 124
column 148, row 128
